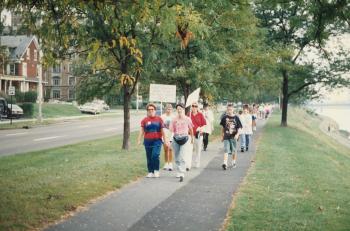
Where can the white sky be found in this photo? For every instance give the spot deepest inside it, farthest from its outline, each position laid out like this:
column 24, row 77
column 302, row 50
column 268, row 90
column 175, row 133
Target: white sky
column 6, row 17
column 336, row 95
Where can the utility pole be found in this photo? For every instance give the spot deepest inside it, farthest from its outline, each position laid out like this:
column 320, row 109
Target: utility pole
column 40, row 89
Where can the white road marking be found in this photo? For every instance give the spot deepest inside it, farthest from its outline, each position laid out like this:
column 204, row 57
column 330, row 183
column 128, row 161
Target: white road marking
column 110, row 129
column 16, row 134
column 47, row 138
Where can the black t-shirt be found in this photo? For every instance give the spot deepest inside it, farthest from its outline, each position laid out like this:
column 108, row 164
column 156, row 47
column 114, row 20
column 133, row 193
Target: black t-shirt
column 231, row 124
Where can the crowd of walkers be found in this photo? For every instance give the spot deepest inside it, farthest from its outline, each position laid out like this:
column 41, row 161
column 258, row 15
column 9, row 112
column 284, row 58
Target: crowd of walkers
column 184, row 136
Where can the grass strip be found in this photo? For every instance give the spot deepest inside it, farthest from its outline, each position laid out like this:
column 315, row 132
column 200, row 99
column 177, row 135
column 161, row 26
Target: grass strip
column 301, row 180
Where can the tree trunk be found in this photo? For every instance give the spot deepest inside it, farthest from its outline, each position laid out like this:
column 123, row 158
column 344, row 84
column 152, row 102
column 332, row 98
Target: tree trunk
column 186, row 94
column 284, row 99
column 126, row 133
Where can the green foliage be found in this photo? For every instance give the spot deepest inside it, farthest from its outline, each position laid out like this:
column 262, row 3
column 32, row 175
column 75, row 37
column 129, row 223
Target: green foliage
column 28, row 109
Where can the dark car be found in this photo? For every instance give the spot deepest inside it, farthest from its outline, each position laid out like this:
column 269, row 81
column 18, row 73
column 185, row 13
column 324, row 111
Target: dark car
column 3, row 108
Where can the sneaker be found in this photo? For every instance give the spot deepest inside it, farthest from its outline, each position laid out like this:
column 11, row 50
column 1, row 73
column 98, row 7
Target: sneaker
column 242, row 149
column 170, row 166
column 234, row 165
column 224, row 166
column 246, row 149
column 150, row 175
column 187, row 169
column 166, row 166
column 181, row 178
column 178, row 175
column 156, row 174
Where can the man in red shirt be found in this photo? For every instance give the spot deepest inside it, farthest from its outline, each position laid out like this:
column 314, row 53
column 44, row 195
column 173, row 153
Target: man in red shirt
column 198, row 122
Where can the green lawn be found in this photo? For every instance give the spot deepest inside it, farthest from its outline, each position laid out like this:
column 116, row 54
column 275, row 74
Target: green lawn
column 300, row 180
column 40, row 187
column 56, row 110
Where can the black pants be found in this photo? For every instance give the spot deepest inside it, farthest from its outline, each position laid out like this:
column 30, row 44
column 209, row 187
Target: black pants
column 205, row 140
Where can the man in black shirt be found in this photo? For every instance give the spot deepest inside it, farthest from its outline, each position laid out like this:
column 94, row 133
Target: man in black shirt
column 231, row 127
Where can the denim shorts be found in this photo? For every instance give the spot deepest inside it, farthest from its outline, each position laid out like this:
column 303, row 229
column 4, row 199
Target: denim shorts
column 230, row 146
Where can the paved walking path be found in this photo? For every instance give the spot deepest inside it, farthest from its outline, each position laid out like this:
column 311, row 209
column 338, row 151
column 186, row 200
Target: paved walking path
column 199, row 203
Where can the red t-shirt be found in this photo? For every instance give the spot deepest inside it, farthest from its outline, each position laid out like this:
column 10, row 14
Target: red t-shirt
column 152, row 127
column 198, row 120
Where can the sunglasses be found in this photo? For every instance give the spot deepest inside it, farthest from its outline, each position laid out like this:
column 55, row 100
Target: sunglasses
column 194, row 105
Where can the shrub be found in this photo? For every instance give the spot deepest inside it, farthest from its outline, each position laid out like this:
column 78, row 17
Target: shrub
column 30, row 96
column 28, row 109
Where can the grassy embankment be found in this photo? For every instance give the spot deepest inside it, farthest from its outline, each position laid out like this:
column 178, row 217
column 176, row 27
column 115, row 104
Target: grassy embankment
column 300, row 180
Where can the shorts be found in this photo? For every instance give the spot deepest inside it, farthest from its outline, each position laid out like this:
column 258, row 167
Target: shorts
column 230, row 146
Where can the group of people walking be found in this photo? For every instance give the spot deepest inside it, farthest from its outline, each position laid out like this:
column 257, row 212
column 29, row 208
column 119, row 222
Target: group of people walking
column 185, row 136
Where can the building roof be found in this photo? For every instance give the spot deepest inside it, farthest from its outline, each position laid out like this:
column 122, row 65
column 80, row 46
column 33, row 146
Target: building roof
column 17, row 44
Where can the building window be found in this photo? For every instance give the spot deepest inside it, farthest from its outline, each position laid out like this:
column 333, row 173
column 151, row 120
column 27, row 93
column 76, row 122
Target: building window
column 56, row 81
column 71, row 94
column 35, row 55
column 56, row 94
column 14, row 69
column 28, row 53
column 71, row 81
column 56, row 68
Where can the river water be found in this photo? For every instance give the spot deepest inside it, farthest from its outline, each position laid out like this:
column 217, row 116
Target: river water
column 339, row 113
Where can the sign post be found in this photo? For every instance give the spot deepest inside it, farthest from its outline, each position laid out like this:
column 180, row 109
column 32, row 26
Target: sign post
column 12, row 92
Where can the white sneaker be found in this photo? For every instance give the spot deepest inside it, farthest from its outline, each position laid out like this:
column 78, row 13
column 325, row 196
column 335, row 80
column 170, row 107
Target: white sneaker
column 150, row 175
column 178, row 175
column 166, row 166
column 156, row 174
column 170, row 166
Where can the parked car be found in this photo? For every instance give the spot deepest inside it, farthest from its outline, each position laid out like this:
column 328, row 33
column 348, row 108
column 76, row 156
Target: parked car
column 3, row 108
column 17, row 111
column 102, row 103
column 92, row 108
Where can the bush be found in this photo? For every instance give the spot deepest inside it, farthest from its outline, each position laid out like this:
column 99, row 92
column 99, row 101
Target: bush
column 30, row 96
column 28, row 109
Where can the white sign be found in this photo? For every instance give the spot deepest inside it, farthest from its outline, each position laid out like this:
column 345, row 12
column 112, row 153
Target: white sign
column 12, row 90
column 162, row 93
column 193, row 97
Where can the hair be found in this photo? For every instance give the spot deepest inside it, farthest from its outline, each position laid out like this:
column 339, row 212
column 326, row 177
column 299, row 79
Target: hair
column 180, row 105
column 151, row 105
column 169, row 105
column 245, row 106
column 230, row 105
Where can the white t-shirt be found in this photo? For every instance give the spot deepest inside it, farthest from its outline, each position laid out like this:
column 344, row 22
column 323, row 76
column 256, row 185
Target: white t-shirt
column 247, row 123
column 167, row 120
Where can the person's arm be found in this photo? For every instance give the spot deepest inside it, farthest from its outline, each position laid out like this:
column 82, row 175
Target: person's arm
column 191, row 134
column 239, row 128
column 222, row 133
column 165, row 139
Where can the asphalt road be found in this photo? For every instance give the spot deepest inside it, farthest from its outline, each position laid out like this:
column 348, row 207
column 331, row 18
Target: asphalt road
column 66, row 132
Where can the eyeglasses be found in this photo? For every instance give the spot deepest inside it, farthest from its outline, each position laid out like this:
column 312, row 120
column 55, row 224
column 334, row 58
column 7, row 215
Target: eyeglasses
column 194, row 105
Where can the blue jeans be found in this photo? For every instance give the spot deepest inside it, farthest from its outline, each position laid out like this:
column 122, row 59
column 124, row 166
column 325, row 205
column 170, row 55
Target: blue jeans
column 245, row 140
column 153, row 153
column 230, row 146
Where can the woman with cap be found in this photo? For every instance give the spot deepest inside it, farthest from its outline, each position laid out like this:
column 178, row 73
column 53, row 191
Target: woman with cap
column 152, row 131
column 182, row 129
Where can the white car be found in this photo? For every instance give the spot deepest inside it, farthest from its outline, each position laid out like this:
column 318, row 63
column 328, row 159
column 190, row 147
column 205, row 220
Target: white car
column 102, row 103
column 17, row 111
column 92, row 108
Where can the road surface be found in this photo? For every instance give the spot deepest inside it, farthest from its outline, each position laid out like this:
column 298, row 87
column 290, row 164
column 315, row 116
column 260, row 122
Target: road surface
column 66, row 132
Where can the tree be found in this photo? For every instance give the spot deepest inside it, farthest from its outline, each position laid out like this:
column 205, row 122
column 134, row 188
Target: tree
column 107, row 33
column 293, row 27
